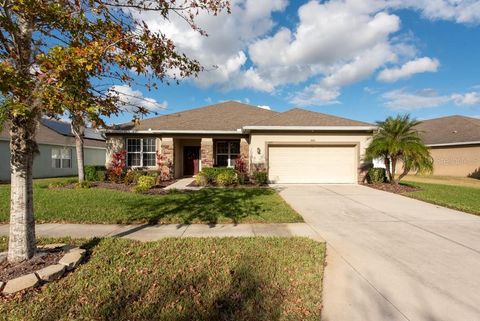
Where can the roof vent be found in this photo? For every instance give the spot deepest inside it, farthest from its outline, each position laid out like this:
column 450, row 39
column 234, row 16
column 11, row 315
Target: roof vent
column 454, row 132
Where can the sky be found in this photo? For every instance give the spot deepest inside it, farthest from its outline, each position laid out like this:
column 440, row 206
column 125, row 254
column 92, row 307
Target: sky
column 360, row 59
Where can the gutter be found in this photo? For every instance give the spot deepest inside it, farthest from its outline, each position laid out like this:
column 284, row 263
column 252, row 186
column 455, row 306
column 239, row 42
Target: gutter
column 122, row 131
column 454, row 144
column 244, row 130
column 322, row 128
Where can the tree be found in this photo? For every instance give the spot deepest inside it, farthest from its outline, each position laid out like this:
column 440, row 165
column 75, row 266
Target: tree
column 64, row 55
column 398, row 140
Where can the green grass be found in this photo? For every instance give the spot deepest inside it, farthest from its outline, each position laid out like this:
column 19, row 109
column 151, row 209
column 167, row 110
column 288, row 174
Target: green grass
column 444, row 180
column 95, row 205
column 461, row 198
column 185, row 279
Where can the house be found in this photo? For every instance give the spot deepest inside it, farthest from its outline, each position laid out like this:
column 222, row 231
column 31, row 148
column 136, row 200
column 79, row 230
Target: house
column 56, row 146
column 296, row 146
column 454, row 143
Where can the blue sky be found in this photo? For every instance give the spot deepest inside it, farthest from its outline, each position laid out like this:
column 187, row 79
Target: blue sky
column 362, row 59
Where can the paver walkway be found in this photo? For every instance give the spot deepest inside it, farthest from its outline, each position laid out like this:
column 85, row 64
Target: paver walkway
column 391, row 257
column 155, row 232
column 182, row 184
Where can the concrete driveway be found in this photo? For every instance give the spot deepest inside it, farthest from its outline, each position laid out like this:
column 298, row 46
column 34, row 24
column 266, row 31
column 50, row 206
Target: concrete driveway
column 391, row 257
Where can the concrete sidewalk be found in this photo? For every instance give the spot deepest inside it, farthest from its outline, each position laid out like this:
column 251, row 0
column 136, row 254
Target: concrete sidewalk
column 147, row 232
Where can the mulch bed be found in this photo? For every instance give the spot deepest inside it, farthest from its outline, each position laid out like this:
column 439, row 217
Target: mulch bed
column 42, row 259
column 246, row 185
column 397, row 189
column 158, row 189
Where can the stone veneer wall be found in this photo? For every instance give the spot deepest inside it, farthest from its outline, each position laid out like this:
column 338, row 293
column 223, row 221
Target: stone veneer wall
column 167, row 150
column 206, row 151
column 113, row 144
column 245, row 152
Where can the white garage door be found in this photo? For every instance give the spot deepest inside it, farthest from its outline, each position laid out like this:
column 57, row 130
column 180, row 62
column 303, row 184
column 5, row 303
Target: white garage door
column 312, row 164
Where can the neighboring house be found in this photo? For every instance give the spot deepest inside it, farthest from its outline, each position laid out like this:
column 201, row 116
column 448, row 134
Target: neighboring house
column 454, row 143
column 296, row 146
column 57, row 153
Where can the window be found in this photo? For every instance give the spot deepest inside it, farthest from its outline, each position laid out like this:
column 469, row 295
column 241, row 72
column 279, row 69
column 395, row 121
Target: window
column 61, row 158
column 227, row 152
column 141, row 152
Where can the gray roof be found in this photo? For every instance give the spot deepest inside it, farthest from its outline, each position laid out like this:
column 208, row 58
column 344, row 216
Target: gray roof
column 226, row 116
column 450, row 130
column 65, row 129
column 232, row 115
column 303, row 117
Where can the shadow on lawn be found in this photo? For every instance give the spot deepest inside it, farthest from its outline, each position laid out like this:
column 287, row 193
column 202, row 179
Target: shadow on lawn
column 206, row 205
column 183, row 298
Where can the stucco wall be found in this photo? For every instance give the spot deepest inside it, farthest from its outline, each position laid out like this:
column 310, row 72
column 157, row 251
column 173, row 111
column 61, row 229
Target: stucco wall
column 258, row 142
column 455, row 161
column 42, row 164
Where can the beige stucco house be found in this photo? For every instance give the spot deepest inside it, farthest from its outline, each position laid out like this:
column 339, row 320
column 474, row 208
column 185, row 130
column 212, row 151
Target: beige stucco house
column 296, row 146
column 454, row 143
column 56, row 150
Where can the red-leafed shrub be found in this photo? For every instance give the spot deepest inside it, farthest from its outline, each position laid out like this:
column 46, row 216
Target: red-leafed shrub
column 117, row 167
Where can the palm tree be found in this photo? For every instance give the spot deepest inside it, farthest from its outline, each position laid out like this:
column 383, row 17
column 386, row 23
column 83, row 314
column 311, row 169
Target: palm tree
column 398, row 140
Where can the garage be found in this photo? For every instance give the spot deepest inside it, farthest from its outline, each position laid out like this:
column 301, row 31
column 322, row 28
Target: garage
column 329, row 164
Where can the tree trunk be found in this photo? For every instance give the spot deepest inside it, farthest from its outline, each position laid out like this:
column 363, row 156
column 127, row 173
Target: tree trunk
column 22, row 222
column 78, row 129
column 394, row 165
column 386, row 161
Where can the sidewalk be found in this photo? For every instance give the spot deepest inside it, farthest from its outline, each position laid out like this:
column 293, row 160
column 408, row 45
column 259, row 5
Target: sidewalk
column 147, row 232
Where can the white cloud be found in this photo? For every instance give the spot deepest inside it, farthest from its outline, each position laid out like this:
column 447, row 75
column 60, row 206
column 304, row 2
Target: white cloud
column 403, row 100
column 264, row 107
column 131, row 100
column 416, row 66
column 468, row 99
column 336, row 42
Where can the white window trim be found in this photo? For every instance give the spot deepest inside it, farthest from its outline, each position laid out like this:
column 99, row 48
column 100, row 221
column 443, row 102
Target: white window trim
column 141, row 152
column 70, row 158
column 230, row 160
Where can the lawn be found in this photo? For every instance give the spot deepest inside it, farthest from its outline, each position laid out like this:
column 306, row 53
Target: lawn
column 185, row 279
column 210, row 205
column 444, row 180
column 461, row 198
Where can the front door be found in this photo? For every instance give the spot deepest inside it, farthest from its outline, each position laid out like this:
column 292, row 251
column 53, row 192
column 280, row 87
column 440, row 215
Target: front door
column 191, row 156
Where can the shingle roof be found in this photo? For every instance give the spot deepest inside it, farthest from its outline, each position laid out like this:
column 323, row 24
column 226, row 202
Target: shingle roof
column 450, row 129
column 226, row 116
column 232, row 115
column 302, row 117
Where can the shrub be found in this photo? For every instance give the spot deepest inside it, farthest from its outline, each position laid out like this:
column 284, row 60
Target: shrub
column 117, row 169
column 376, row 175
column 91, row 172
column 227, row 178
column 145, row 183
column 210, row 174
column 241, row 165
column 131, row 177
column 84, row 184
column 201, row 179
column 260, row 178
column 101, row 176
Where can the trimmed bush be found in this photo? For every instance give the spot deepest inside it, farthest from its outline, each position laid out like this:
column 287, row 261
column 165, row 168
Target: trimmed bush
column 210, row 174
column 227, row 178
column 260, row 178
column 101, row 176
column 91, row 172
column 376, row 175
column 145, row 183
column 84, row 184
column 201, row 179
